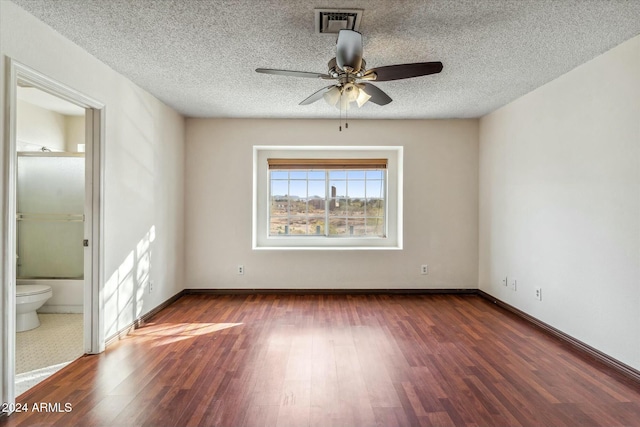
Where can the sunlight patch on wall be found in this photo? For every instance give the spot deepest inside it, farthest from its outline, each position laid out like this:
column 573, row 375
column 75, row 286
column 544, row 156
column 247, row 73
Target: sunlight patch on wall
column 128, row 286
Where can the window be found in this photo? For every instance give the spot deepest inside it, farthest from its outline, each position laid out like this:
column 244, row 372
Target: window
column 343, row 198
column 327, row 197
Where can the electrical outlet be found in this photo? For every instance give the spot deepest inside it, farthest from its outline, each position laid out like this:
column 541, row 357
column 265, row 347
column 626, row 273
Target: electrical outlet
column 505, row 282
column 241, row 269
column 514, row 285
column 150, row 283
column 424, row 269
column 539, row 294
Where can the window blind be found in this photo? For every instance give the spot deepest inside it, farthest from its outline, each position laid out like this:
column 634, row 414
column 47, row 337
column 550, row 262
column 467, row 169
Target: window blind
column 275, row 164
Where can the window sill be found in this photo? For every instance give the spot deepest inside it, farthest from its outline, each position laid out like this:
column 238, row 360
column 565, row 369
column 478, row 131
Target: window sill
column 327, row 248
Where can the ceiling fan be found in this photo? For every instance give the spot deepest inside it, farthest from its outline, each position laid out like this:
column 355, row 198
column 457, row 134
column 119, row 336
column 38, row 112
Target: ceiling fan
column 348, row 69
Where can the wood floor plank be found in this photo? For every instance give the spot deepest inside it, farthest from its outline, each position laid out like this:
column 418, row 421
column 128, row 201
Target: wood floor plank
column 261, row 416
column 335, row 360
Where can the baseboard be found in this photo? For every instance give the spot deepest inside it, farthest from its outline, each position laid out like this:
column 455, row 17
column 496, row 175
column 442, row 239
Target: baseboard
column 328, row 291
column 123, row 332
column 143, row 319
column 620, row 367
column 65, row 309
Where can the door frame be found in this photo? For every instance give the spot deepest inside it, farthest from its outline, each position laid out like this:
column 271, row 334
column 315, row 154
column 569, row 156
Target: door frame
column 94, row 213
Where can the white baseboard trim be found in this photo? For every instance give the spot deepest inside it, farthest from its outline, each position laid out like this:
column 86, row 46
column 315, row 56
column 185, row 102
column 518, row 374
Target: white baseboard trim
column 75, row 309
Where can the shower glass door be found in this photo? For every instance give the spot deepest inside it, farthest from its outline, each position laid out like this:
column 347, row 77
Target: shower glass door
column 50, row 217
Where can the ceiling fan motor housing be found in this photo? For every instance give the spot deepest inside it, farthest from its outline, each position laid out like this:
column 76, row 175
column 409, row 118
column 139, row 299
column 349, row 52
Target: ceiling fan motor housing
column 335, row 71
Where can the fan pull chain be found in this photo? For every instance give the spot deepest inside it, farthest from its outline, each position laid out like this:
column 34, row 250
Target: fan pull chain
column 346, row 118
column 340, row 116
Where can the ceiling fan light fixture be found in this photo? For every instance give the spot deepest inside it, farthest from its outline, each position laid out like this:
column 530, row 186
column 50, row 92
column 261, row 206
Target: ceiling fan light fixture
column 350, row 91
column 332, row 96
column 343, row 97
column 362, row 98
column 344, row 103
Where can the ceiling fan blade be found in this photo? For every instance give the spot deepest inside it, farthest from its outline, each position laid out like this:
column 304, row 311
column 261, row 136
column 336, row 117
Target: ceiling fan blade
column 404, row 71
column 349, row 50
column 316, row 96
column 293, row 73
column 376, row 94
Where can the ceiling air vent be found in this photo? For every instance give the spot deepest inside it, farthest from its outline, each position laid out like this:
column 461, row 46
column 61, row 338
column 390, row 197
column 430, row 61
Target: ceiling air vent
column 331, row 21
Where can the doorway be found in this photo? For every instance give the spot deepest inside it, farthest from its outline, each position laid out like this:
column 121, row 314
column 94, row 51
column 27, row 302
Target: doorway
column 50, row 144
column 52, row 246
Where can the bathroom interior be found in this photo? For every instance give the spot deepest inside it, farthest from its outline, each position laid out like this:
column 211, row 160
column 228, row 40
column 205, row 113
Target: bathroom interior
column 50, row 141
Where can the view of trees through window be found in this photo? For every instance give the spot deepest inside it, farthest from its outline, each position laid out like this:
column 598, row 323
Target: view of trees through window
column 333, row 202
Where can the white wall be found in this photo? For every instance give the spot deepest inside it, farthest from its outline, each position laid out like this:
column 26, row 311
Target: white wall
column 144, row 167
column 440, row 206
column 74, row 132
column 560, row 202
column 37, row 127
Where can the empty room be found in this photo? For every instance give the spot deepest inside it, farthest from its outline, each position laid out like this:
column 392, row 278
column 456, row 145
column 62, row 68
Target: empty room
column 338, row 213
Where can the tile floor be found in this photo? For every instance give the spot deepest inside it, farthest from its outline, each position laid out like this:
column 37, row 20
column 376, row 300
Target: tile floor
column 43, row 351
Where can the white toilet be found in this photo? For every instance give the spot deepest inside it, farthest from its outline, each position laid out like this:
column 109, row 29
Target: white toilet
column 29, row 298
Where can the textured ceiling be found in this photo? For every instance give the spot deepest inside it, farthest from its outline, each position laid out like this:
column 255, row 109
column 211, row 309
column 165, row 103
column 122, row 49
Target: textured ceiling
column 199, row 56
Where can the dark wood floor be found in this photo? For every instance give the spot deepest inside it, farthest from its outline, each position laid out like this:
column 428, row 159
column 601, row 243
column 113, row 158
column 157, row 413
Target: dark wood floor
column 336, row 360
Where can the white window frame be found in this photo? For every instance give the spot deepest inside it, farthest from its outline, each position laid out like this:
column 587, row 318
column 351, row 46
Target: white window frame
column 260, row 220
